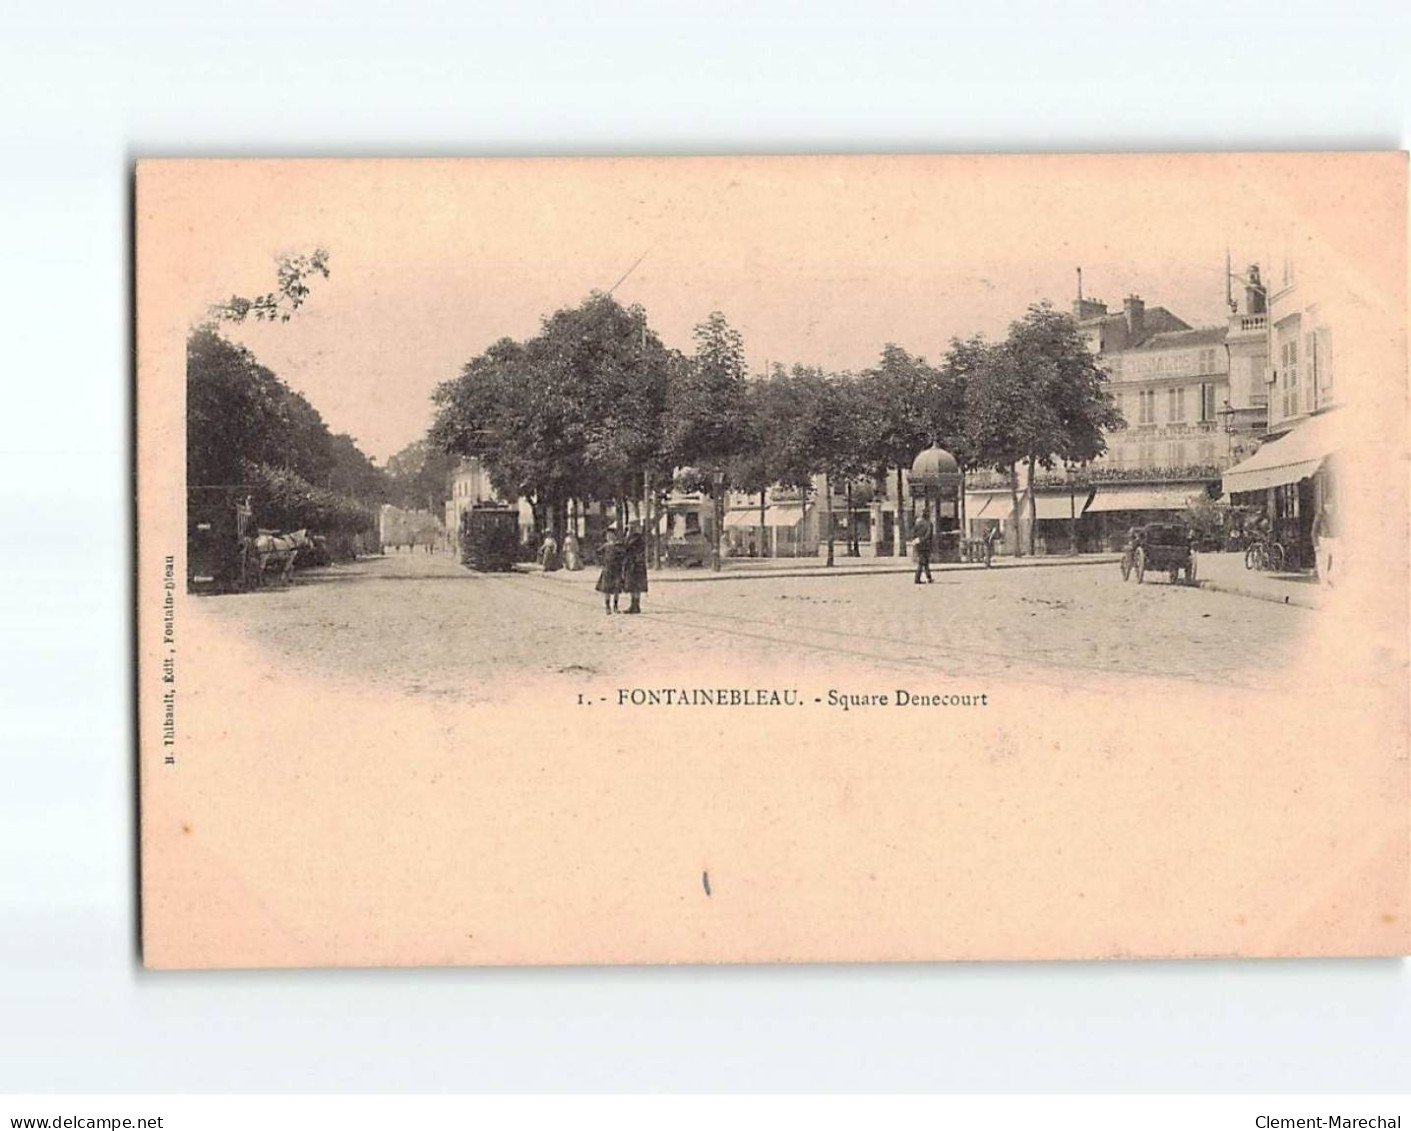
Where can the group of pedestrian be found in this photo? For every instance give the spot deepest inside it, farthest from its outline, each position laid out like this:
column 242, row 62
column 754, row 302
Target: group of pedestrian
column 624, row 569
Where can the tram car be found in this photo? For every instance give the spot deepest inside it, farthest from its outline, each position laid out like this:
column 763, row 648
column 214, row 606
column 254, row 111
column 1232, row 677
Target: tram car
column 489, row 538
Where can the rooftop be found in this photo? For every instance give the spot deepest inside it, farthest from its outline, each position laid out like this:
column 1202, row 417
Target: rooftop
column 1155, row 320
column 1176, row 339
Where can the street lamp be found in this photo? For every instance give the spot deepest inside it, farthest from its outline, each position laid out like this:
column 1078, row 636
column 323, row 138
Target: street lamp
column 1227, row 421
column 717, row 480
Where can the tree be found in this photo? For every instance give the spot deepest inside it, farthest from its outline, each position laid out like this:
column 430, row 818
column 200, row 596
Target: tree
column 246, row 428
column 236, row 409
column 839, row 441
column 292, row 274
column 962, row 367
column 707, row 422
column 993, row 405
column 576, row 412
column 899, row 409
column 1044, row 399
column 618, row 371
column 418, row 476
column 353, row 473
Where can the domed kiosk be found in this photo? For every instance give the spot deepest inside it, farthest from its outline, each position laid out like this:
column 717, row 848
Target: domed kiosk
column 935, row 481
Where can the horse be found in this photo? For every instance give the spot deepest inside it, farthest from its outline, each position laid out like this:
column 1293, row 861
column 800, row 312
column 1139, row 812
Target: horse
column 274, row 550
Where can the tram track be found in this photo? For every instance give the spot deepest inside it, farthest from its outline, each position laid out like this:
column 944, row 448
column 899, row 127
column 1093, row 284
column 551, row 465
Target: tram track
column 936, row 657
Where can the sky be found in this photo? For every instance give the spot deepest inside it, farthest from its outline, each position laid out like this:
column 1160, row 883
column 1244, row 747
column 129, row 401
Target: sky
column 815, row 260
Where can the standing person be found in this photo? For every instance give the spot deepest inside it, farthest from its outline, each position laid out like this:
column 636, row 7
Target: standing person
column 610, row 576
column 921, row 536
column 634, row 566
column 572, row 555
column 1324, row 546
column 549, row 553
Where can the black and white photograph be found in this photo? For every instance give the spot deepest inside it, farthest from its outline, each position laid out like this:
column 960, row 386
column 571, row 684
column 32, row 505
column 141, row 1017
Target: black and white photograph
column 828, row 516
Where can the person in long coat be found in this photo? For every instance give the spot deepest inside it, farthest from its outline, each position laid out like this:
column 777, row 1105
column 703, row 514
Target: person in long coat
column 634, row 567
column 921, row 539
column 572, row 556
column 549, row 553
column 610, row 576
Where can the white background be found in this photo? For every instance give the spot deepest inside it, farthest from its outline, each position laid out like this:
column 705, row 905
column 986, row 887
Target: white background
column 89, row 87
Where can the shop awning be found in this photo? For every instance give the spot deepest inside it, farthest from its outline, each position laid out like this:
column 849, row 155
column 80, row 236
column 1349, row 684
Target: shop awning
column 989, row 504
column 784, row 515
column 1143, row 497
column 1288, row 459
column 745, row 518
column 1050, row 507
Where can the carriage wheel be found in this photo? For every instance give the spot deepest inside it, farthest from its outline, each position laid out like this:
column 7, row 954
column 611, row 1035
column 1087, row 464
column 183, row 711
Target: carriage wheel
column 1126, row 566
column 1251, row 556
column 1139, row 564
column 1276, row 557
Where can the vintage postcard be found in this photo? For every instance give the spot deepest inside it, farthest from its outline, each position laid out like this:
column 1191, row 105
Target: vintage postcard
column 806, row 559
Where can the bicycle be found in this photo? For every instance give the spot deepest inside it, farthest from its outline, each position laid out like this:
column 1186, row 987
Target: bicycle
column 1264, row 555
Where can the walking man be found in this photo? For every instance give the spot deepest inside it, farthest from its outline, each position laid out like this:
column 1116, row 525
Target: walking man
column 921, row 537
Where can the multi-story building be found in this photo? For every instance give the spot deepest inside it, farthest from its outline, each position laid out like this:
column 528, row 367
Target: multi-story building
column 1247, row 343
column 1193, row 403
column 1193, row 399
column 1300, row 371
column 1290, row 476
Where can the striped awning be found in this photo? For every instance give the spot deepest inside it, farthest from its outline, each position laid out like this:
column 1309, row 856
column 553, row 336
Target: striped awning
column 1143, row 497
column 1288, row 459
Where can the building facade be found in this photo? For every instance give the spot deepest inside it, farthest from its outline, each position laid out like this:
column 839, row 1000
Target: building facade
column 1291, row 477
column 1193, row 401
column 1300, row 375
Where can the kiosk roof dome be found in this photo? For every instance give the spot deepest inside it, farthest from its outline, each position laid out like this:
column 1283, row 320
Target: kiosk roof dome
column 935, row 467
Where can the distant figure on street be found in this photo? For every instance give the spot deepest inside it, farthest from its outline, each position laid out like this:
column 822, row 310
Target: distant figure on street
column 921, row 539
column 610, row 576
column 549, row 554
column 1325, row 546
column 572, row 555
column 634, row 566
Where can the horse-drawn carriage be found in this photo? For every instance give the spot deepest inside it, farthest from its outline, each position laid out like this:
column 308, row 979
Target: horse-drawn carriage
column 226, row 551
column 1160, row 546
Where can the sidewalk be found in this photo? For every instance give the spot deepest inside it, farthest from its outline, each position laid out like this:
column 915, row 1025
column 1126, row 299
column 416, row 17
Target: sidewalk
column 746, row 569
column 1225, row 573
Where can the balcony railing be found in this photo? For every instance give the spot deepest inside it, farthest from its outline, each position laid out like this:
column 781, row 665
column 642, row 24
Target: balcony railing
column 1252, row 322
column 1103, row 473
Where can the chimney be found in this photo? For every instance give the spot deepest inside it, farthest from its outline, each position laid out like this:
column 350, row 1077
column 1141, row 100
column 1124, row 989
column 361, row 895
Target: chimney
column 1254, row 298
column 1134, row 309
column 1085, row 308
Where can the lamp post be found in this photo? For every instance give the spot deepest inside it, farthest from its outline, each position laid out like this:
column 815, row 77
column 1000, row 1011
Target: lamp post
column 1227, row 421
column 717, row 483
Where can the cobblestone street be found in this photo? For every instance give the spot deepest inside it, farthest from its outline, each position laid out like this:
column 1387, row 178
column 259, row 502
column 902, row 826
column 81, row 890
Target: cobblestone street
column 423, row 625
